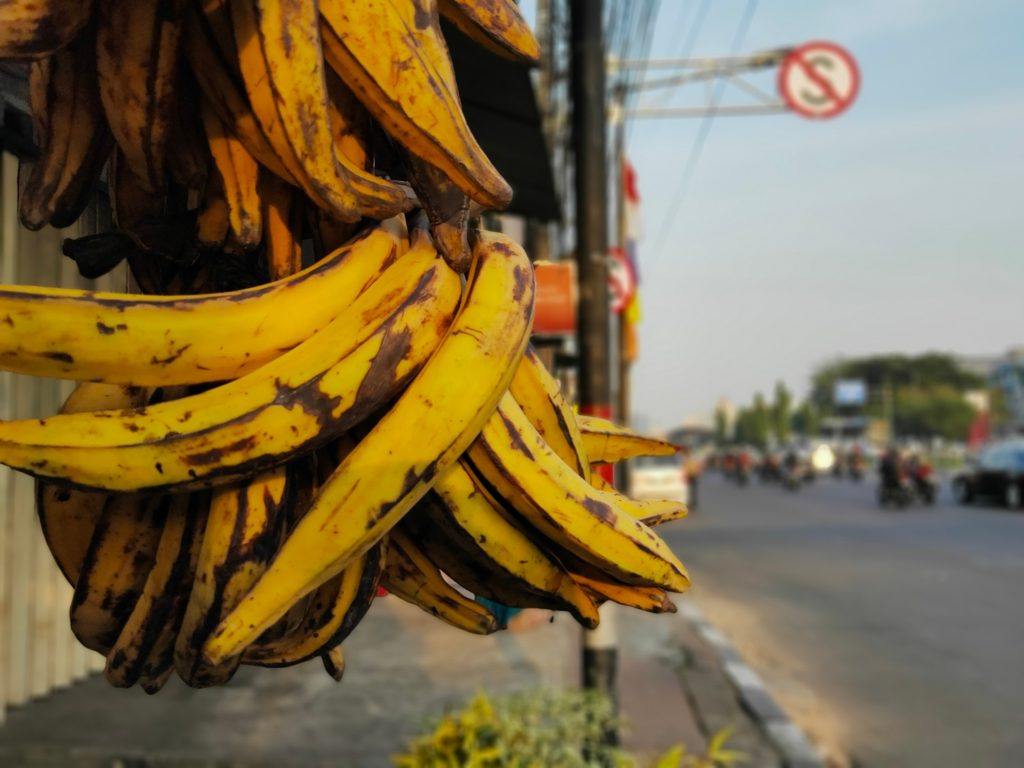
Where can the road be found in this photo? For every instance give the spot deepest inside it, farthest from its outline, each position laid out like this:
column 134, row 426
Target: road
column 895, row 638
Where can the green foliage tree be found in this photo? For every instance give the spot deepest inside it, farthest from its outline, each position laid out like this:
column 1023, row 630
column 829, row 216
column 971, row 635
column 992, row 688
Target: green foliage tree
column 781, row 412
column 721, row 426
column 998, row 410
column 927, row 370
column 806, row 419
column 932, row 411
column 927, row 391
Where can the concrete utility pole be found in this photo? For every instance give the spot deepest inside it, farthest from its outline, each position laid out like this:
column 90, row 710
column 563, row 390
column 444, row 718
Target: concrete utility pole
column 589, row 131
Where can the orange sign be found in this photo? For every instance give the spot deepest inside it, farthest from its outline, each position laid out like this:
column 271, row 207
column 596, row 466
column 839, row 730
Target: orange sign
column 555, row 305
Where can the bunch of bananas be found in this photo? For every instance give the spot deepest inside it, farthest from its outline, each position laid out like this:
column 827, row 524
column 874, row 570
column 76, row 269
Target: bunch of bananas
column 254, row 447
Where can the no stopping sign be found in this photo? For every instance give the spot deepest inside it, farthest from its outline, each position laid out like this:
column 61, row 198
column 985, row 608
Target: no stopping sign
column 819, row 80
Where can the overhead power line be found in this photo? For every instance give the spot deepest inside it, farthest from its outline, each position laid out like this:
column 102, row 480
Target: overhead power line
column 697, row 148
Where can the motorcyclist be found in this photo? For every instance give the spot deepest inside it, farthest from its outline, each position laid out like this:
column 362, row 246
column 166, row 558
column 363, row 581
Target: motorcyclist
column 920, row 472
column 890, row 468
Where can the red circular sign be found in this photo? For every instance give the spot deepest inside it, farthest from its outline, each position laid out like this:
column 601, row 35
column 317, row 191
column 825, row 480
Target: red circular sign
column 819, row 80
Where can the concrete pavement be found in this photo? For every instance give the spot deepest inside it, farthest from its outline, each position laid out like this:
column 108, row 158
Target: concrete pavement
column 402, row 667
column 895, row 637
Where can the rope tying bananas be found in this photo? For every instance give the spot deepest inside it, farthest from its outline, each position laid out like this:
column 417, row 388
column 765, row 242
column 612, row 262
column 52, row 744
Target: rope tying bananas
column 325, row 384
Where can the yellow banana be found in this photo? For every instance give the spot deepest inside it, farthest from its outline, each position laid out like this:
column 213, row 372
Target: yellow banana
column 115, row 568
column 74, row 139
column 321, row 388
column 350, row 122
column 69, row 516
column 239, row 178
column 422, row 434
column 159, row 662
column 214, row 219
column 539, row 394
column 410, row 575
column 466, row 515
column 212, row 57
column 242, row 530
column 282, row 223
column 334, row 611
column 334, row 663
column 137, row 60
column 650, row 599
column 496, row 25
column 128, row 338
column 607, row 442
column 650, row 512
column 513, row 457
column 163, row 596
column 31, row 29
column 283, row 70
column 368, row 43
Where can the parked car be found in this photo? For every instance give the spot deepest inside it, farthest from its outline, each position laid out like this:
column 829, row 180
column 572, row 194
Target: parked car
column 997, row 473
column 659, row 477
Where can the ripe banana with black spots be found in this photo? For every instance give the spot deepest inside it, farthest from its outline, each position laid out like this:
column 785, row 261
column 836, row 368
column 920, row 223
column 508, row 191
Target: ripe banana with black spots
column 158, row 340
column 267, row 453
column 144, row 640
column 31, row 29
column 213, row 59
column 283, row 70
column 283, row 216
column 239, row 179
column 243, row 528
column 334, row 663
column 333, row 612
column 410, row 575
column 116, row 566
column 366, row 43
column 72, row 135
column 137, row 55
column 606, row 442
column 650, row 512
column 290, row 406
column 495, row 24
column 68, row 516
column 513, row 457
column 423, row 433
column 539, row 394
column 511, row 565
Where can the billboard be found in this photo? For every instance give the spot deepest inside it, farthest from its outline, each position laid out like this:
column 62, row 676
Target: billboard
column 850, row 392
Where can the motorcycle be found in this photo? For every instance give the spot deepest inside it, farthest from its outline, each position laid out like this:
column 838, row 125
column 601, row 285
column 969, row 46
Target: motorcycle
column 923, row 484
column 899, row 494
column 856, row 470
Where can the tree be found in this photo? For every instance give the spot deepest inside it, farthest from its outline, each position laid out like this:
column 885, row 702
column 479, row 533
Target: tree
column 781, row 412
column 760, row 422
column 721, row 426
column 932, row 411
column 806, row 420
column 931, row 369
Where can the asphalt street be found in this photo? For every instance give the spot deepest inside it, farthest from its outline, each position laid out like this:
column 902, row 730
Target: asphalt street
column 896, row 638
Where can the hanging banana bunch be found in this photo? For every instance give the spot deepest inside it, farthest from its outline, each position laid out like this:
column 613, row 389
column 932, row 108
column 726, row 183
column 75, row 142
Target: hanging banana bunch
column 325, row 385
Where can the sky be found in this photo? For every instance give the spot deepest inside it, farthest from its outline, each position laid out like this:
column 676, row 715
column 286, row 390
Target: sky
column 895, row 227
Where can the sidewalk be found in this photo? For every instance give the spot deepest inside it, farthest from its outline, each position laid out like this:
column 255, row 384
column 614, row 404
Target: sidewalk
column 402, row 667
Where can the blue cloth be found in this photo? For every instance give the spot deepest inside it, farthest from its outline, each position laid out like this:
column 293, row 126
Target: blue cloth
column 502, row 613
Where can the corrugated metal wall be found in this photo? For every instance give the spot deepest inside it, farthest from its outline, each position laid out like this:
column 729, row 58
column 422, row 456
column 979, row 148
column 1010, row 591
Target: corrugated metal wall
column 38, row 653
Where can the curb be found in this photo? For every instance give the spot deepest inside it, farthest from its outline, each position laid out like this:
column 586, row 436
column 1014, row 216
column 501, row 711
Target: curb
column 795, row 749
